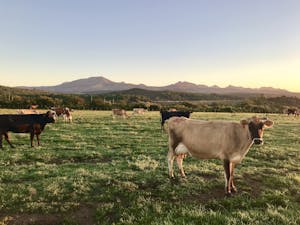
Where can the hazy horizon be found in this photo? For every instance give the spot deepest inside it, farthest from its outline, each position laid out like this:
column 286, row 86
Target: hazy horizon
column 250, row 44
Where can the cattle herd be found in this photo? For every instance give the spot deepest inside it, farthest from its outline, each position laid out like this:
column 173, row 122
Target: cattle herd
column 224, row 140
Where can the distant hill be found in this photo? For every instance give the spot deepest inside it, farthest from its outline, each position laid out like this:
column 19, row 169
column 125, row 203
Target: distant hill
column 20, row 91
column 88, row 85
column 103, row 85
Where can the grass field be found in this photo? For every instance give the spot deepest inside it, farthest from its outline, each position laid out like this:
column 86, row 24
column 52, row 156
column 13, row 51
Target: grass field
column 100, row 170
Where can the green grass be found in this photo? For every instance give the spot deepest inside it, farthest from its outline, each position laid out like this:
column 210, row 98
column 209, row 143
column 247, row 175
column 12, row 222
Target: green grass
column 100, row 170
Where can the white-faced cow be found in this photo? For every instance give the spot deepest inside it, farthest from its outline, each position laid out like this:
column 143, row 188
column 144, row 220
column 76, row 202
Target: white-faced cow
column 228, row 141
column 65, row 112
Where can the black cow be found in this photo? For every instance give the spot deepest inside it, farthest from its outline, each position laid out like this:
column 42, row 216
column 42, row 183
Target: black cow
column 165, row 115
column 293, row 112
column 30, row 123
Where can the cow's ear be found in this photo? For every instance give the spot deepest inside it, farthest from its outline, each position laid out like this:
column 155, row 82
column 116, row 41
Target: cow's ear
column 244, row 122
column 268, row 123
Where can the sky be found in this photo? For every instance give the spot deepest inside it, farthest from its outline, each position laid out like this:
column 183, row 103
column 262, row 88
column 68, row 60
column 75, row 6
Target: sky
column 155, row 42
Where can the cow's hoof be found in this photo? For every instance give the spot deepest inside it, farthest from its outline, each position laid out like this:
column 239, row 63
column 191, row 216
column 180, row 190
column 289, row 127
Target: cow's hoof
column 228, row 194
column 171, row 177
column 233, row 190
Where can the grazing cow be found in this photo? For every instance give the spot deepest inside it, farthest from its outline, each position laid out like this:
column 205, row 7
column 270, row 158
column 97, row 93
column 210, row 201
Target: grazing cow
column 165, row 115
column 119, row 112
column 293, row 112
column 228, row 141
column 139, row 111
column 65, row 112
column 33, row 124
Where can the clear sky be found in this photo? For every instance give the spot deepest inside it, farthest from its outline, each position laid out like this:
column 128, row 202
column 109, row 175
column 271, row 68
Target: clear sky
column 250, row 43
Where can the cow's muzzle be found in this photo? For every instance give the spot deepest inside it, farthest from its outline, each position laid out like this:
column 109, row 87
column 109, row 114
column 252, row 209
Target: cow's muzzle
column 258, row 141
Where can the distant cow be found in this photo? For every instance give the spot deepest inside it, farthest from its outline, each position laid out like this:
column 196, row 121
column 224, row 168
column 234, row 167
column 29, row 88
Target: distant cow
column 119, row 112
column 293, row 112
column 165, row 115
column 33, row 106
column 32, row 123
column 228, row 141
column 65, row 112
column 32, row 110
column 28, row 111
column 139, row 111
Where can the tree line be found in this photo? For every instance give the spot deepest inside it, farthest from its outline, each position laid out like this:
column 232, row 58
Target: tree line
column 152, row 100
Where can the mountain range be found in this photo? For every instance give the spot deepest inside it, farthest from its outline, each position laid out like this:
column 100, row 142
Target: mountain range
column 101, row 84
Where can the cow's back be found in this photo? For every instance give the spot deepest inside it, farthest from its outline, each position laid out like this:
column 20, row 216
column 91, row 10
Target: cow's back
column 210, row 139
column 19, row 123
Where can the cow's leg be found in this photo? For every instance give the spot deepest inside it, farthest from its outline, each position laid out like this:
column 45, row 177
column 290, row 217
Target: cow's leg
column 179, row 159
column 7, row 139
column 38, row 139
column 231, row 170
column 171, row 157
column 226, row 165
column 1, row 138
column 31, row 138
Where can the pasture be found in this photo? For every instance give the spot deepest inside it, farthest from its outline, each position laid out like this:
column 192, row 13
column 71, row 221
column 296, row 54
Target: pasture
column 100, row 170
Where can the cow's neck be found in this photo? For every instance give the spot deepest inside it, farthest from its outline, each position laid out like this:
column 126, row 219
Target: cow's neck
column 43, row 125
column 250, row 135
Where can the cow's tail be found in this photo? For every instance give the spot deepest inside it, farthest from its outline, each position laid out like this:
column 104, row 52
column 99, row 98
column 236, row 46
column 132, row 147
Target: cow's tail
column 165, row 127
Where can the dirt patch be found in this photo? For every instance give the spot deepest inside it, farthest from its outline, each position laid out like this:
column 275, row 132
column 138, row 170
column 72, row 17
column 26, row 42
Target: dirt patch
column 254, row 185
column 205, row 196
column 83, row 215
column 103, row 159
column 149, row 186
column 22, row 219
column 208, row 176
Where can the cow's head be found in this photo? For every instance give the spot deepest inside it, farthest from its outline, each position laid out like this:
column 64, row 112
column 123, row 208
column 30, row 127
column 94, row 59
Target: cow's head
column 51, row 116
column 256, row 127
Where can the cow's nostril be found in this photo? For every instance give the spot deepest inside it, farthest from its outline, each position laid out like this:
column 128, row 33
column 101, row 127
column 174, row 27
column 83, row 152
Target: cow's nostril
column 258, row 141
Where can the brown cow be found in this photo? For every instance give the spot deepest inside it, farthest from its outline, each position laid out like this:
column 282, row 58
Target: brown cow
column 119, row 112
column 65, row 112
column 32, row 123
column 228, row 141
column 28, row 111
column 33, row 106
column 138, row 111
